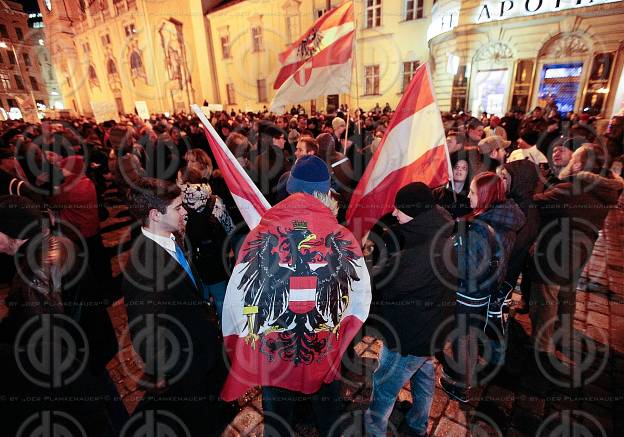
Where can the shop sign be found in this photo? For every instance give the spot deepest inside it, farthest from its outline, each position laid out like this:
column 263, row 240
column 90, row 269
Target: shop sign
column 444, row 17
column 504, row 9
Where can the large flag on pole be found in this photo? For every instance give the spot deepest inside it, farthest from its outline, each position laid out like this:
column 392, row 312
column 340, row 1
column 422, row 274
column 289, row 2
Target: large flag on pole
column 412, row 149
column 250, row 201
column 319, row 62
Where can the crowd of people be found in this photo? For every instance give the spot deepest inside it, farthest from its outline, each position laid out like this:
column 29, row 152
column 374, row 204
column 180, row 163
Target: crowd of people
column 526, row 197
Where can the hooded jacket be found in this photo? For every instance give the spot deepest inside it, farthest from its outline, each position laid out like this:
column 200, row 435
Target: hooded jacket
column 572, row 213
column 490, row 236
column 411, row 304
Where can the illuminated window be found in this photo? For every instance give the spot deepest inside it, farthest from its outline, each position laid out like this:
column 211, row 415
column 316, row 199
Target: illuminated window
column 5, row 81
column 371, row 79
column 256, row 38
column 373, row 13
column 414, row 9
column 262, row 90
column 408, row 72
column 231, row 95
column 225, row 46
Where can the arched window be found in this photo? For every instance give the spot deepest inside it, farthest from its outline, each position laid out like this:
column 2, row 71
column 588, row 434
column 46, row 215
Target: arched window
column 135, row 61
column 111, row 67
column 92, row 73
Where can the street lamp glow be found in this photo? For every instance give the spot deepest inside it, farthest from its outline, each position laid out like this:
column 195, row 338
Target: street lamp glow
column 41, row 42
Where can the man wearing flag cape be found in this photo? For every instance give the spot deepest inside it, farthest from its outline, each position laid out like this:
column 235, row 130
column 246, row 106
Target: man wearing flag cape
column 297, row 296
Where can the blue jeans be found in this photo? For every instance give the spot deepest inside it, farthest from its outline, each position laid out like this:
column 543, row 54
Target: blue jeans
column 393, row 372
column 217, row 291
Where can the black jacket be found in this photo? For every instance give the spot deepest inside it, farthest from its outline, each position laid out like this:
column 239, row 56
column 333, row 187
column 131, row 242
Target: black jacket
column 411, row 303
column 161, row 298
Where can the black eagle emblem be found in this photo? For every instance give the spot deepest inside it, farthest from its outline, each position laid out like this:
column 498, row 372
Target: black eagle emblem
column 290, row 297
column 310, row 44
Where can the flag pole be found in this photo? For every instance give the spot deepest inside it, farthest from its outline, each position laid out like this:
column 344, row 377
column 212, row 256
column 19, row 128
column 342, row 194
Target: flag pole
column 357, row 87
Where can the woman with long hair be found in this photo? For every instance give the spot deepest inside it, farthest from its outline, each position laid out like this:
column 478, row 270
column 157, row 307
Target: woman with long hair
column 484, row 241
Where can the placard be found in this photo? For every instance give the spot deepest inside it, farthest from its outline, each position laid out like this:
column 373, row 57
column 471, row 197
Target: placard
column 104, row 110
column 141, row 108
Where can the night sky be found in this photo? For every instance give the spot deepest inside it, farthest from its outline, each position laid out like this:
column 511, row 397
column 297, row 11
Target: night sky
column 29, row 5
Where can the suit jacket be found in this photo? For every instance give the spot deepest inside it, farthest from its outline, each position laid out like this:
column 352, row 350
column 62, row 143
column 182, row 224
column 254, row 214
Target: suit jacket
column 165, row 307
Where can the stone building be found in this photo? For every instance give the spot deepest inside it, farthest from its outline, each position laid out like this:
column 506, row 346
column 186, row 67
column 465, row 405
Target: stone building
column 109, row 54
column 499, row 55
column 22, row 87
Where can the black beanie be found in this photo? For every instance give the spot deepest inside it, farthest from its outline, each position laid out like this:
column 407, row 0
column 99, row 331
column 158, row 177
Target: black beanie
column 414, row 199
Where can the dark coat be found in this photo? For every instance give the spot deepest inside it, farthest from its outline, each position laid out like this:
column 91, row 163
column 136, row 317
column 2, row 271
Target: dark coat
column 572, row 213
column 457, row 205
column 411, row 303
column 504, row 220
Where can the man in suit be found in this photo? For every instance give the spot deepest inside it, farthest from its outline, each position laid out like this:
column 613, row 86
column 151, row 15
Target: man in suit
column 169, row 323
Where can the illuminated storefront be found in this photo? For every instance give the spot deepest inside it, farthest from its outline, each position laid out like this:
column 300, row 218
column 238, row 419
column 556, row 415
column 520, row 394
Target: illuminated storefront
column 511, row 54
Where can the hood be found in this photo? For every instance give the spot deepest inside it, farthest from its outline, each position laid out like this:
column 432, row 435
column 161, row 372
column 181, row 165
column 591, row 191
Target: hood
column 426, row 225
column 524, row 177
column 606, row 188
column 504, row 216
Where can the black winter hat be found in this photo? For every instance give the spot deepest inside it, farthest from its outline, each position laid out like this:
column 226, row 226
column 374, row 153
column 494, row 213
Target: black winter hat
column 414, row 199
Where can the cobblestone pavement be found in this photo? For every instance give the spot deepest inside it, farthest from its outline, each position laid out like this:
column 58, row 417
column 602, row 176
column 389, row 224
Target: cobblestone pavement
column 581, row 398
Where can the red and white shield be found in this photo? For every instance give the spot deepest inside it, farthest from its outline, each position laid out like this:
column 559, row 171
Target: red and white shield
column 302, row 76
column 302, row 294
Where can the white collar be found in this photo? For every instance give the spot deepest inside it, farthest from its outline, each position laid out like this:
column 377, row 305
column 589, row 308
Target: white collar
column 167, row 243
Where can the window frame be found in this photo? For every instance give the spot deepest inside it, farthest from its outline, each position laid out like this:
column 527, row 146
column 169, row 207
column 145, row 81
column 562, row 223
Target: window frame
column 372, row 73
column 372, row 14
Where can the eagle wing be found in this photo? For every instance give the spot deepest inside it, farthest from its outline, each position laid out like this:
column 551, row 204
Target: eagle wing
column 265, row 283
column 335, row 278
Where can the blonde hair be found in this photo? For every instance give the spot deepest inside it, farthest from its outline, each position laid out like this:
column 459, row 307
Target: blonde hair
column 327, row 200
column 202, row 159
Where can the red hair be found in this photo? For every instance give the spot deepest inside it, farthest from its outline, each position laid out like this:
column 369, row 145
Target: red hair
column 490, row 191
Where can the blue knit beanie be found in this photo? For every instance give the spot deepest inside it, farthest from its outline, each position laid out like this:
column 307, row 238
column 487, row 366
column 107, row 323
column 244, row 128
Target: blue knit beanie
column 309, row 174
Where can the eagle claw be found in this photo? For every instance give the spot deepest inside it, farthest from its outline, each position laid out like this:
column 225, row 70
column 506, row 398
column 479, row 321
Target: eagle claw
column 251, row 339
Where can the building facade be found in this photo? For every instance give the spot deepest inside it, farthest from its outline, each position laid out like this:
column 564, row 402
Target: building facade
column 247, row 36
column 22, row 86
column 500, row 55
column 110, row 54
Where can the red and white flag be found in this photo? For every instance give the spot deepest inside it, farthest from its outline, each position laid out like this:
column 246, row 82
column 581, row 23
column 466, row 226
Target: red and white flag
column 319, row 62
column 413, row 149
column 299, row 293
column 250, row 201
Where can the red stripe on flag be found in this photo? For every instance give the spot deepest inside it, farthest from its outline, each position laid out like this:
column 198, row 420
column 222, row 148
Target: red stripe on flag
column 336, row 17
column 364, row 211
column 417, row 95
column 299, row 282
column 236, row 183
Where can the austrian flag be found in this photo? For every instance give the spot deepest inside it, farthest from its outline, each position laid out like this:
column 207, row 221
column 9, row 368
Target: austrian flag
column 319, row 62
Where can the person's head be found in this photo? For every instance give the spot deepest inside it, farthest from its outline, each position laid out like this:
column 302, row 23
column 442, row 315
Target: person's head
column 493, row 147
column 495, row 121
column 20, row 220
column 537, row 112
column 475, row 130
column 157, row 205
column 280, row 122
column 306, row 146
column 199, row 159
column 486, row 190
column 589, row 157
column 460, row 170
column 339, row 126
column 507, row 178
column 618, row 165
column 310, row 174
column 238, row 145
column 326, row 146
column 562, row 153
column 121, row 138
column 412, row 200
column 528, row 138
